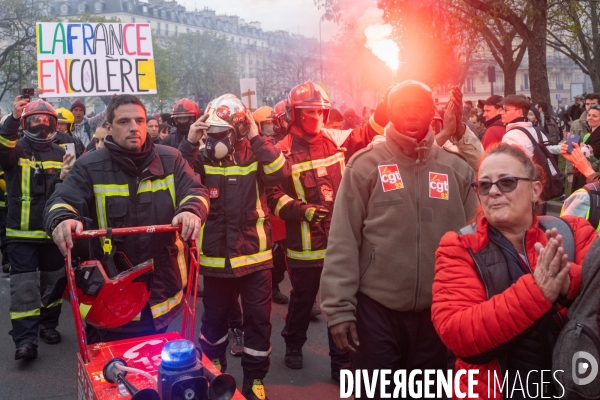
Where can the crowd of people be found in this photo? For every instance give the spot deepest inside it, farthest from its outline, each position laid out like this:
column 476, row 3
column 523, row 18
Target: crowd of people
column 387, row 215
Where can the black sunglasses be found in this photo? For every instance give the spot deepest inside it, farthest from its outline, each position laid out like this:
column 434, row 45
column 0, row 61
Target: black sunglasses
column 595, row 106
column 505, row 185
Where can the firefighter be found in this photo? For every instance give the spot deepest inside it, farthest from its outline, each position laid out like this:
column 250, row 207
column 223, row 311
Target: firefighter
column 132, row 182
column 305, row 201
column 265, row 121
column 236, row 165
column 30, row 165
column 64, row 131
column 3, row 215
column 280, row 125
column 185, row 113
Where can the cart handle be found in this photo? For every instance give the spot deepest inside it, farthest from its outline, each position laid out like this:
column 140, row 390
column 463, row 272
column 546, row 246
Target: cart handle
column 134, row 230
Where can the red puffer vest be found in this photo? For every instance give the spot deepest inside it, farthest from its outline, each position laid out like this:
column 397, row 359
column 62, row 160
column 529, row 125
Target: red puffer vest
column 468, row 323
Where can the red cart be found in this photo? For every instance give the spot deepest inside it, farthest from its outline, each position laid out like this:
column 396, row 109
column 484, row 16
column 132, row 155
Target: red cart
column 142, row 353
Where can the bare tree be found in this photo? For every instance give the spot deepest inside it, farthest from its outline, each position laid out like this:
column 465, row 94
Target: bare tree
column 17, row 32
column 573, row 30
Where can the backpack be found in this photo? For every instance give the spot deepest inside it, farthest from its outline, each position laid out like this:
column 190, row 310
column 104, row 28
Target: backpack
column 593, row 190
column 555, row 181
column 553, row 131
column 577, row 350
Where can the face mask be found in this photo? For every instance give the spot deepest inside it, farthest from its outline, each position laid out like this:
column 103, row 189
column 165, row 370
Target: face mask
column 312, row 125
column 184, row 128
column 40, row 131
column 216, row 148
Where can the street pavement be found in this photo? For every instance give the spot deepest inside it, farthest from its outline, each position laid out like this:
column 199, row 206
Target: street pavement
column 52, row 374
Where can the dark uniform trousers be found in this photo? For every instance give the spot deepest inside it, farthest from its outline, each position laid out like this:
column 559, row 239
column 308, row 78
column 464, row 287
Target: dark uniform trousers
column 279, row 263
column 255, row 292
column 35, row 268
column 395, row 340
column 305, row 285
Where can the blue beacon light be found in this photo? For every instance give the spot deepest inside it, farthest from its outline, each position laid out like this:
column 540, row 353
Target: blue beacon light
column 178, row 355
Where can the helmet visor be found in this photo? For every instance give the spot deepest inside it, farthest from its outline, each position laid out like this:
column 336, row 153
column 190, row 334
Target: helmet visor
column 35, row 120
column 313, row 95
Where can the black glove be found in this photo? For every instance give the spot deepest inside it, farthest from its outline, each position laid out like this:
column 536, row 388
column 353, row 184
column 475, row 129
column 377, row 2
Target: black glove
column 312, row 213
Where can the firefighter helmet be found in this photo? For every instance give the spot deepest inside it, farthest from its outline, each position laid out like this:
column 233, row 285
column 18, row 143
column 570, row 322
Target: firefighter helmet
column 264, row 113
column 307, row 95
column 185, row 108
column 43, row 115
column 227, row 112
column 108, row 303
column 65, row 116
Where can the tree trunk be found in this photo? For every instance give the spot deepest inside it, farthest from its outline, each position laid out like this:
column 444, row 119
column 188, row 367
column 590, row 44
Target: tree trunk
column 510, row 77
column 538, row 71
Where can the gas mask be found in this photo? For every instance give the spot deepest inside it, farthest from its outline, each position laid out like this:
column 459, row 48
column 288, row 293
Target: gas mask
column 218, row 145
column 311, row 124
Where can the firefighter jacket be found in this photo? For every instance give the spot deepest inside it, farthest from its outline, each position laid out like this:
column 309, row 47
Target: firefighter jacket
column 109, row 190
column 317, row 162
column 29, row 168
column 2, row 190
column 236, row 238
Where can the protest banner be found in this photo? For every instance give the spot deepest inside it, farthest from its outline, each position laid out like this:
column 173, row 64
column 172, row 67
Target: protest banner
column 94, row 59
column 248, row 90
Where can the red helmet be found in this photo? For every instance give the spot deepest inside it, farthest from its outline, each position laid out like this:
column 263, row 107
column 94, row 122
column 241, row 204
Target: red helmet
column 38, row 107
column 185, row 108
column 307, row 95
column 112, row 302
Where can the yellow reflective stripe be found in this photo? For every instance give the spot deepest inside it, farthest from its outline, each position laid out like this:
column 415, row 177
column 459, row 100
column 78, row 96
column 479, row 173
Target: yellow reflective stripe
column 320, row 163
column 25, row 314
column 167, row 183
column 84, row 309
column 101, row 192
column 229, row 171
column 242, row 261
column 53, row 304
column 275, row 165
column 111, row 190
column 202, row 199
column 283, row 200
column 137, row 317
column 212, row 262
column 260, row 223
column 305, row 233
column 62, row 205
column 45, row 164
column 306, row 255
column 161, row 309
column 7, row 143
column 26, row 234
column 376, row 127
column 2, row 204
column 236, row 262
column 25, row 195
column 181, row 261
column 200, row 238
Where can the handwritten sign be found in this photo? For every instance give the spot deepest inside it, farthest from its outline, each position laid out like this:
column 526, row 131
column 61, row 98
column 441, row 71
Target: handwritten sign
column 94, row 59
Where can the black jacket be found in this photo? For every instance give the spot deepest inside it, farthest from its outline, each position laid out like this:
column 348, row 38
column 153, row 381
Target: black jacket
column 236, row 238
column 29, row 169
column 174, row 138
column 108, row 189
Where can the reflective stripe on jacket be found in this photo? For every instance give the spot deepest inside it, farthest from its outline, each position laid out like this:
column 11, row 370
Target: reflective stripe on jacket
column 236, row 238
column 29, row 169
column 99, row 187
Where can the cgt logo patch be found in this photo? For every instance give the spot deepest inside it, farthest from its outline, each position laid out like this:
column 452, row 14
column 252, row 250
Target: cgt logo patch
column 213, row 192
column 223, row 112
column 390, row 177
column 438, row 186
